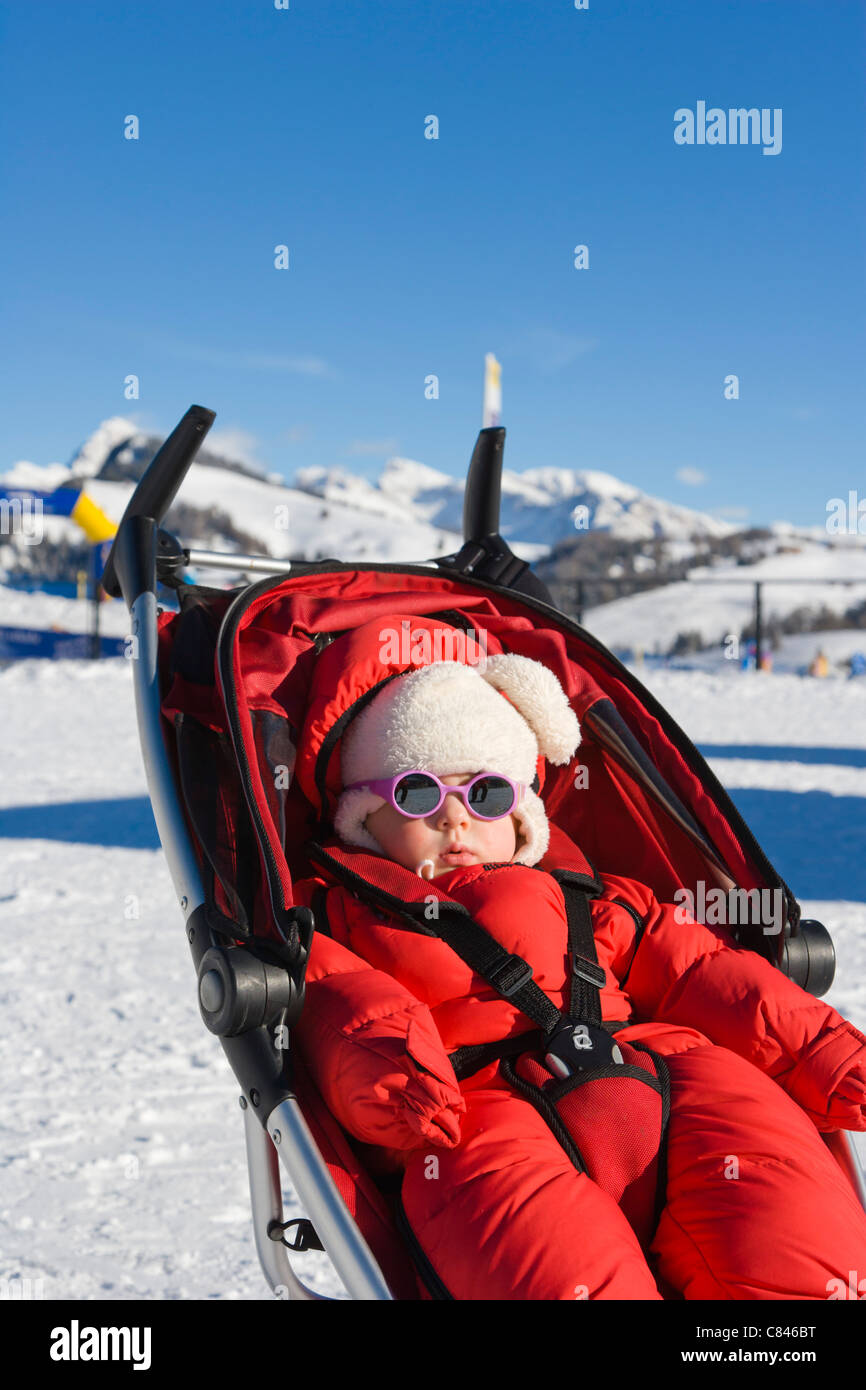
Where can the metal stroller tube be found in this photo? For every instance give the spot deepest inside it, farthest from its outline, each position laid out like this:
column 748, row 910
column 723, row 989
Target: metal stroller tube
column 328, row 1212
column 266, row 1198
column 170, row 822
column 343, row 1241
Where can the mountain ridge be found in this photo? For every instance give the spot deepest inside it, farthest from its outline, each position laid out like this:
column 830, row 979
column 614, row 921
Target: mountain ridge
column 575, row 526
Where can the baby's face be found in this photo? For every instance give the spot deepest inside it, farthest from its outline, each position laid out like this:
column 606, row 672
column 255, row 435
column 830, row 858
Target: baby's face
column 451, row 837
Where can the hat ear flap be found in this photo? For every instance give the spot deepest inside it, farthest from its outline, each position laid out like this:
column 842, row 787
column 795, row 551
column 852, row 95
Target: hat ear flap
column 540, row 699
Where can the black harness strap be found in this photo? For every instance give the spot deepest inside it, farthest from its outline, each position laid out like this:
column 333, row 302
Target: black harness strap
column 467, row 1060
column 587, row 976
column 506, row 973
column 509, row 975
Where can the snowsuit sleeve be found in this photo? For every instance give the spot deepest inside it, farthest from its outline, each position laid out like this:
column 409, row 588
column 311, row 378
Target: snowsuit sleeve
column 375, row 1054
column 695, row 975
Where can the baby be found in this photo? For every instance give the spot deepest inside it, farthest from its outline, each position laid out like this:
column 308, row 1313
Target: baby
column 413, row 1047
column 456, row 832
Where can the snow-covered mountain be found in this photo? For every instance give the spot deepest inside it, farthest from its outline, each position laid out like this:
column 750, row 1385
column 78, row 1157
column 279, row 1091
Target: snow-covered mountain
column 411, row 513
column 569, row 522
column 229, row 506
column 118, row 450
column 540, row 506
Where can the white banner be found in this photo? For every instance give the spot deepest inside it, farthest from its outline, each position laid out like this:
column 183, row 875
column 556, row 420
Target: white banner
column 492, row 391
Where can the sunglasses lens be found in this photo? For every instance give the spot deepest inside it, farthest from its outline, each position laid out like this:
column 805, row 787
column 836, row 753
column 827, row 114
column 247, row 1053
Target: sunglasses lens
column 491, row 797
column 416, row 794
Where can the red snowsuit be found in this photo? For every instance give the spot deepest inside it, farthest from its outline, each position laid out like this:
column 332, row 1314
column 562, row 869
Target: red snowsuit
column 756, row 1206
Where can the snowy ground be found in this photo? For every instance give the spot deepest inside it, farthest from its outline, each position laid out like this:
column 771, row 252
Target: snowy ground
column 18, row 608
column 121, row 1144
column 719, row 601
column 794, row 655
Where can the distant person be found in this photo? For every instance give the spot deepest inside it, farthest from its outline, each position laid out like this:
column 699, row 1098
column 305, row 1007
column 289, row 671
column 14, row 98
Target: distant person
column 857, row 665
column 820, row 666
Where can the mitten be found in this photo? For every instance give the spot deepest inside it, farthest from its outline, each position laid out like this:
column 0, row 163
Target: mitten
column 829, row 1078
column 375, row 1054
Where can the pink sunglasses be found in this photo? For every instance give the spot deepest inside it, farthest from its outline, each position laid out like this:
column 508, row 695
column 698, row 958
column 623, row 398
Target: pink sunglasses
column 489, row 796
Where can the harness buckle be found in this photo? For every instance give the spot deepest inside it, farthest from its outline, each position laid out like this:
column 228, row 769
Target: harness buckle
column 510, row 975
column 588, row 970
column 574, row 1047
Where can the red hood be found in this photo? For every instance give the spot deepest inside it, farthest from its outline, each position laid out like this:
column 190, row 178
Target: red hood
column 350, row 671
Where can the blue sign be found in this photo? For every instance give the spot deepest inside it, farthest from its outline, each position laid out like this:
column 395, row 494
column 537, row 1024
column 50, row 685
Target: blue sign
column 19, row 642
column 60, row 502
column 60, row 588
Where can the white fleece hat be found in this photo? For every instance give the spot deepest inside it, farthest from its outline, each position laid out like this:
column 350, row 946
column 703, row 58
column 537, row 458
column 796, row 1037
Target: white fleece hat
column 449, row 717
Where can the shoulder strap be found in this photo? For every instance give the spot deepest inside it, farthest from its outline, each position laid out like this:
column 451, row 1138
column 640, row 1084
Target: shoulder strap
column 510, row 975
column 393, row 889
column 587, row 976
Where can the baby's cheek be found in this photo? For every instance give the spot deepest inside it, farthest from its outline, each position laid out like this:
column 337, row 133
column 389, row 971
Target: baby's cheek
column 505, row 842
column 404, row 840
column 408, row 844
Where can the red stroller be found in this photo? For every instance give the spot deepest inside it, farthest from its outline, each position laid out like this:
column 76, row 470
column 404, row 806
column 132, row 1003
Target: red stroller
column 221, row 693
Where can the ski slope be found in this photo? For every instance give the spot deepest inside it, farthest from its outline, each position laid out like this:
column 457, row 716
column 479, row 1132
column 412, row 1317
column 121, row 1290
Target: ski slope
column 121, row 1143
column 651, row 620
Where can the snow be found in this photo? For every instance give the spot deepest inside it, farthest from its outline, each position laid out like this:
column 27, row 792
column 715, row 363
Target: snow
column 286, row 521
column 124, row 1175
column 90, row 457
column 46, row 611
column 612, row 505
column 35, row 477
column 792, row 753
column 404, row 477
column 415, row 511
column 537, row 505
column 121, row 1140
column 714, row 605
column 794, row 655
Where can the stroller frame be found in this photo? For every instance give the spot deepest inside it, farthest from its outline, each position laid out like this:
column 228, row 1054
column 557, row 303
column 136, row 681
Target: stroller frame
column 274, row 1126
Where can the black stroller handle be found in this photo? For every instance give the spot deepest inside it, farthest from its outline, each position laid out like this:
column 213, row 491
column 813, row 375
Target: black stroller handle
column 481, row 500
column 157, row 489
column 484, row 554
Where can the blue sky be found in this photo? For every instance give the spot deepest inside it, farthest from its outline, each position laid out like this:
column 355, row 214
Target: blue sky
column 410, row 257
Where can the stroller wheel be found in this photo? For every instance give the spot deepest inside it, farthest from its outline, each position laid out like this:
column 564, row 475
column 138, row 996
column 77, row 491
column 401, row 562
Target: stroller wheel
column 809, row 958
